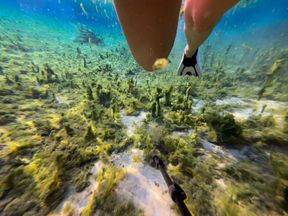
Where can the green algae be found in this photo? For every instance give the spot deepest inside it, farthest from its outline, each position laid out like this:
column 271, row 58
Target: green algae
column 45, row 139
column 82, row 180
column 224, row 125
column 104, row 199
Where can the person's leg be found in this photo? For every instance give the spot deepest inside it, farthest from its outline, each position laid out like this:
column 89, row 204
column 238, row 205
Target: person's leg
column 200, row 19
column 150, row 27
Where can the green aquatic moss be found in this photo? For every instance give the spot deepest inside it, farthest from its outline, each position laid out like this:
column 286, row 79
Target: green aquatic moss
column 16, row 183
column 198, row 186
column 265, row 129
column 285, row 129
column 89, row 93
column 48, row 179
column 82, row 180
column 49, row 75
column 153, row 109
column 167, row 96
column 104, row 198
column 227, row 201
column 181, row 120
column 224, row 125
column 183, row 156
column 8, row 81
column 23, row 205
column 16, row 146
column 280, row 165
column 89, row 134
column 6, row 118
column 261, row 122
column 4, row 91
column 56, row 145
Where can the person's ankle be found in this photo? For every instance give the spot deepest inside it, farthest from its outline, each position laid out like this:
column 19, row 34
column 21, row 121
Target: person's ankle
column 189, row 53
column 190, row 61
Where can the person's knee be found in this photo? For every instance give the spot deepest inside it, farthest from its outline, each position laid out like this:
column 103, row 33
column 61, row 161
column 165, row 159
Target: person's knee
column 200, row 22
column 201, row 16
column 205, row 22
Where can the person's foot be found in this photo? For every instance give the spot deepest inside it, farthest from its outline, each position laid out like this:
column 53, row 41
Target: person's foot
column 190, row 66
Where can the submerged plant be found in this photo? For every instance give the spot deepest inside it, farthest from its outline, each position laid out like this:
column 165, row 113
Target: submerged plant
column 50, row 75
column 87, row 36
column 89, row 93
column 8, row 81
column 104, row 199
column 224, row 125
column 167, row 96
column 89, row 134
column 156, row 106
column 188, row 101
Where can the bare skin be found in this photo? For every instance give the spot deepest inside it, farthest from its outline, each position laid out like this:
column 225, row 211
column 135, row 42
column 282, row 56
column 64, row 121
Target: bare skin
column 200, row 19
column 150, row 25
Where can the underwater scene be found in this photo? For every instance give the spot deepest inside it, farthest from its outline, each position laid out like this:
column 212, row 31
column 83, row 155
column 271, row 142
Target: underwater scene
column 85, row 130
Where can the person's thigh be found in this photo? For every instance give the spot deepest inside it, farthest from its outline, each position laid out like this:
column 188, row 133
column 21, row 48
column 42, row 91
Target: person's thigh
column 150, row 27
column 204, row 14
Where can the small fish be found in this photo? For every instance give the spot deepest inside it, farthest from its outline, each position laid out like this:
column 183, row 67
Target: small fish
column 83, row 9
column 160, row 63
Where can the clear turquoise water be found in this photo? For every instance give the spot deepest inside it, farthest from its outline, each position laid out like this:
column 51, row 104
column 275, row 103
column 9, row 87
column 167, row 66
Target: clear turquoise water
column 259, row 24
column 256, row 36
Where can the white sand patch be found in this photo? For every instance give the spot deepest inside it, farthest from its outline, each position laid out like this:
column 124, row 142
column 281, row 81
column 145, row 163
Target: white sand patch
column 131, row 122
column 243, row 114
column 197, row 105
column 182, row 133
column 143, row 185
column 251, row 107
column 218, row 150
column 275, row 108
column 232, row 100
column 240, row 154
column 80, row 200
column 221, row 183
column 61, row 100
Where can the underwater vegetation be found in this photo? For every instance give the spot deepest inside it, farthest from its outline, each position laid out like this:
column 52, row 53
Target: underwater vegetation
column 87, row 36
column 62, row 106
column 51, row 135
